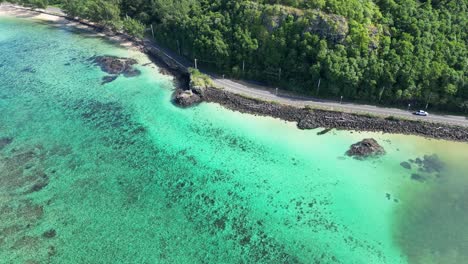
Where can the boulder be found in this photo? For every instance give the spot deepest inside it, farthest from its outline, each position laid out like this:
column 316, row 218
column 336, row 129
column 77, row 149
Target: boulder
column 366, row 148
column 186, row 98
column 307, row 122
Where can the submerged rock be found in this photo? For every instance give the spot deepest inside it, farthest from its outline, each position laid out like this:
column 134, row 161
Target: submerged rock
column 366, row 148
column 108, row 79
column 325, row 131
column 29, row 70
column 49, row 233
column 418, row 177
column 429, row 164
column 131, row 73
column 406, row 165
column 432, row 164
column 5, row 142
column 187, row 98
column 38, row 186
column 116, row 66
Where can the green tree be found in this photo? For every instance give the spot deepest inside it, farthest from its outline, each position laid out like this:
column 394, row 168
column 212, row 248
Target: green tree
column 133, row 27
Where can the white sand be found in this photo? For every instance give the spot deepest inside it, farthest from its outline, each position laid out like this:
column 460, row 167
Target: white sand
column 26, row 13
column 20, row 12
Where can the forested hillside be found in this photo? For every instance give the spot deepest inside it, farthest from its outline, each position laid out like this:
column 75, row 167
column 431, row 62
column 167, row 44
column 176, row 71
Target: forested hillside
column 382, row 51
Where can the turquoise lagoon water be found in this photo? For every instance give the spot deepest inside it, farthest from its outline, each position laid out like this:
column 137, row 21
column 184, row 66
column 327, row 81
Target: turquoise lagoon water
column 115, row 173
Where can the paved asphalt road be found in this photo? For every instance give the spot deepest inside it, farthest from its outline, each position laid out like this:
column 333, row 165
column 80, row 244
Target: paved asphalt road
column 256, row 91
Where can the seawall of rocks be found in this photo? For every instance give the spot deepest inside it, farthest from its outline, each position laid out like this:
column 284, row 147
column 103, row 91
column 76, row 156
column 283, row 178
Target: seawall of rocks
column 313, row 118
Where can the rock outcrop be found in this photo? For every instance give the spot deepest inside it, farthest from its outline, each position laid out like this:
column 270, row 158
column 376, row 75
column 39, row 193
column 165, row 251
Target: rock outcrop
column 116, row 66
column 332, row 27
column 186, row 98
column 366, row 148
column 191, row 96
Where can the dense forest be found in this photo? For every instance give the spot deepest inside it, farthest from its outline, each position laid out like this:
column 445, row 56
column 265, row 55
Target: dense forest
column 381, row 51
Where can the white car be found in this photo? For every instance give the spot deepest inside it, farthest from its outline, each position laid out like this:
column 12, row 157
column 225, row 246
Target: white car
column 421, row 113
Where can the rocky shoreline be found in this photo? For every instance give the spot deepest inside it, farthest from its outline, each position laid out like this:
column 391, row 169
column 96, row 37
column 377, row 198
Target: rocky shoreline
column 314, row 118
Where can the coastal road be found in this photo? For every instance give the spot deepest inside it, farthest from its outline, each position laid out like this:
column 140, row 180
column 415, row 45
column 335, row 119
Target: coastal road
column 268, row 94
column 283, row 97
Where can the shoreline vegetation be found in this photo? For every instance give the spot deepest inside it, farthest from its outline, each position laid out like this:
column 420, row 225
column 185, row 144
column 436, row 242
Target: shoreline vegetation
column 307, row 118
column 387, row 53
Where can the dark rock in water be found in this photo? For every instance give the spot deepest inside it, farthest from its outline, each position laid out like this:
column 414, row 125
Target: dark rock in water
column 418, row 177
column 406, row 165
column 5, row 142
column 108, row 79
column 187, row 98
column 366, row 148
column 115, row 65
column 38, row 186
column 432, row 163
column 244, row 241
column 131, row 73
column 220, row 223
column 429, row 164
column 28, row 70
column 325, row 131
column 49, row 233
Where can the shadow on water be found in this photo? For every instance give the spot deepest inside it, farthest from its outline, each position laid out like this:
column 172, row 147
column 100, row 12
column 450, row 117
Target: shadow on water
column 431, row 224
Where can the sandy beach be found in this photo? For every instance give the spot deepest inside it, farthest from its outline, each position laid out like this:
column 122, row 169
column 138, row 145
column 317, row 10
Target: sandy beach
column 59, row 19
column 21, row 12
